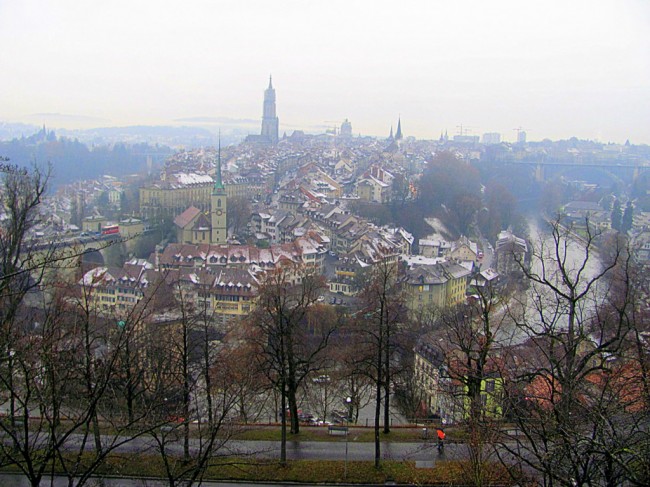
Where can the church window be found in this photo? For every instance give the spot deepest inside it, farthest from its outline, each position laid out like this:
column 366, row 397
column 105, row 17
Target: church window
column 219, row 203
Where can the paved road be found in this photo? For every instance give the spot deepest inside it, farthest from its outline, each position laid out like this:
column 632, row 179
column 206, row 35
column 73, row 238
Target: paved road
column 325, row 450
column 304, row 450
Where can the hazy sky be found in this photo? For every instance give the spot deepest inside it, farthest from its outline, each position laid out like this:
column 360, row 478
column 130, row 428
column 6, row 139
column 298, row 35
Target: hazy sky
column 557, row 69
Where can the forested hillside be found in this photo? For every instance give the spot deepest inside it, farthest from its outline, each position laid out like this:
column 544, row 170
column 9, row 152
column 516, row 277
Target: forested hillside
column 72, row 161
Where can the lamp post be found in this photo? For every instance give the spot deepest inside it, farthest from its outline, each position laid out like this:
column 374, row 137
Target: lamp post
column 12, row 392
column 348, row 402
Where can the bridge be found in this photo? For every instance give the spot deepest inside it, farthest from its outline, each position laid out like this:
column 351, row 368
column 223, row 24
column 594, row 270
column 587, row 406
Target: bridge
column 64, row 255
column 624, row 171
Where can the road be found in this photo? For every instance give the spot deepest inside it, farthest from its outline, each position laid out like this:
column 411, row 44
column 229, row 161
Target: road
column 362, row 451
column 302, row 450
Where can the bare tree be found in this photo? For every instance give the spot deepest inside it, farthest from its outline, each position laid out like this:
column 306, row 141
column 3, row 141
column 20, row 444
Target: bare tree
column 209, row 436
column 60, row 381
column 20, row 195
column 379, row 332
column 575, row 428
column 42, row 366
column 469, row 336
column 239, row 213
column 289, row 349
column 56, row 379
column 353, row 373
column 252, row 384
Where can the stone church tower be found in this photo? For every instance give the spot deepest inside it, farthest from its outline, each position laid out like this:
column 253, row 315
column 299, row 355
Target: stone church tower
column 218, row 207
column 270, row 121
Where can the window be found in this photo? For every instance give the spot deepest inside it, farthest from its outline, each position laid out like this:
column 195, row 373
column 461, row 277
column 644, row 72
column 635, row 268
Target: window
column 489, row 386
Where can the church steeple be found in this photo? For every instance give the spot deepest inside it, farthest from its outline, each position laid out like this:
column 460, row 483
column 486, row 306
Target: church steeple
column 270, row 82
column 218, row 206
column 398, row 134
column 390, row 137
column 218, row 183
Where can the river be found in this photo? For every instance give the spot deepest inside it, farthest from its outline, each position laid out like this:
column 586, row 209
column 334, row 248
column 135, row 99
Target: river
column 538, row 306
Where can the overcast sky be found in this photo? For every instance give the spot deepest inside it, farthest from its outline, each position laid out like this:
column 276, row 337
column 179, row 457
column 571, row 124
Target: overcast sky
column 557, row 69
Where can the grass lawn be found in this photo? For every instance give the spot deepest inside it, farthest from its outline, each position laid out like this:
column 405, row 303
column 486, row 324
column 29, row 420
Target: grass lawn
column 306, row 471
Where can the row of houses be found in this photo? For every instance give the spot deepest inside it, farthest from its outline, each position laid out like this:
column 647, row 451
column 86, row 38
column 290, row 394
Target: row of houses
column 441, row 374
column 200, row 269
column 222, row 294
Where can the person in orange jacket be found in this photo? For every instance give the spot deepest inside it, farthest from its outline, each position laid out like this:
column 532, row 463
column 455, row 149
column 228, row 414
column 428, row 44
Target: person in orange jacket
column 441, row 438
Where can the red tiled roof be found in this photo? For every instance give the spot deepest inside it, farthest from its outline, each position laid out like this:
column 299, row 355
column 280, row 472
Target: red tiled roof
column 186, row 217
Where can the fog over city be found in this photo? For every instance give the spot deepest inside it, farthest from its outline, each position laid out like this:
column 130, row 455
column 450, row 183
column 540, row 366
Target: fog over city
column 345, row 242
column 557, row 69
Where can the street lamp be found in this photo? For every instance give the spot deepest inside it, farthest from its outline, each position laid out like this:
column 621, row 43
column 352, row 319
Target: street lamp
column 12, row 392
column 348, row 402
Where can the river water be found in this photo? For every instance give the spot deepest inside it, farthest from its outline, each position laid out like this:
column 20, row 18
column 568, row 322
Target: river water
column 538, row 306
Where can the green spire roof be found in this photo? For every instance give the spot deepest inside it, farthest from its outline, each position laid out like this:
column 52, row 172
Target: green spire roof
column 218, row 183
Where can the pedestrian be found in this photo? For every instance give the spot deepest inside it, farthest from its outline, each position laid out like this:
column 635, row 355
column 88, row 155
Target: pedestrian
column 441, row 438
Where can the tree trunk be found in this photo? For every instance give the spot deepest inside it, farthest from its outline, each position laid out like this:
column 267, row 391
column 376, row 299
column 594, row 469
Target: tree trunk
column 387, row 382
column 293, row 411
column 378, row 387
column 283, row 441
column 186, row 394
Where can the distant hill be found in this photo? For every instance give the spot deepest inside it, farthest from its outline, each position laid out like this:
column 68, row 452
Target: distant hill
column 165, row 135
column 10, row 131
column 198, row 132
column 72, row 160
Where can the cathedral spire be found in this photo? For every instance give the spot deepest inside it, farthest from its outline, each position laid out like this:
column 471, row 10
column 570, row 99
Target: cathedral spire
column 398, row 134
column 270, row 82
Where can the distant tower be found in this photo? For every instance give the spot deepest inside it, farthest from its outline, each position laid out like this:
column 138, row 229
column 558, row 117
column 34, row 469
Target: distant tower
column 346, row 129
column 521, row 137
column 398, row 134
column 270, row 122
column 390, row 136
column 491, row 138
column 218, row 202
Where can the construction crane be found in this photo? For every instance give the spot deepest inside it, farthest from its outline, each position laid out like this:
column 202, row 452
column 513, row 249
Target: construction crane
column 519, row 130
column 463, row 129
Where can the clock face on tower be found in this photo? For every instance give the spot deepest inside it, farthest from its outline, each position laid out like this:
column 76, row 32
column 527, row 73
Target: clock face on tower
column 219, row 212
